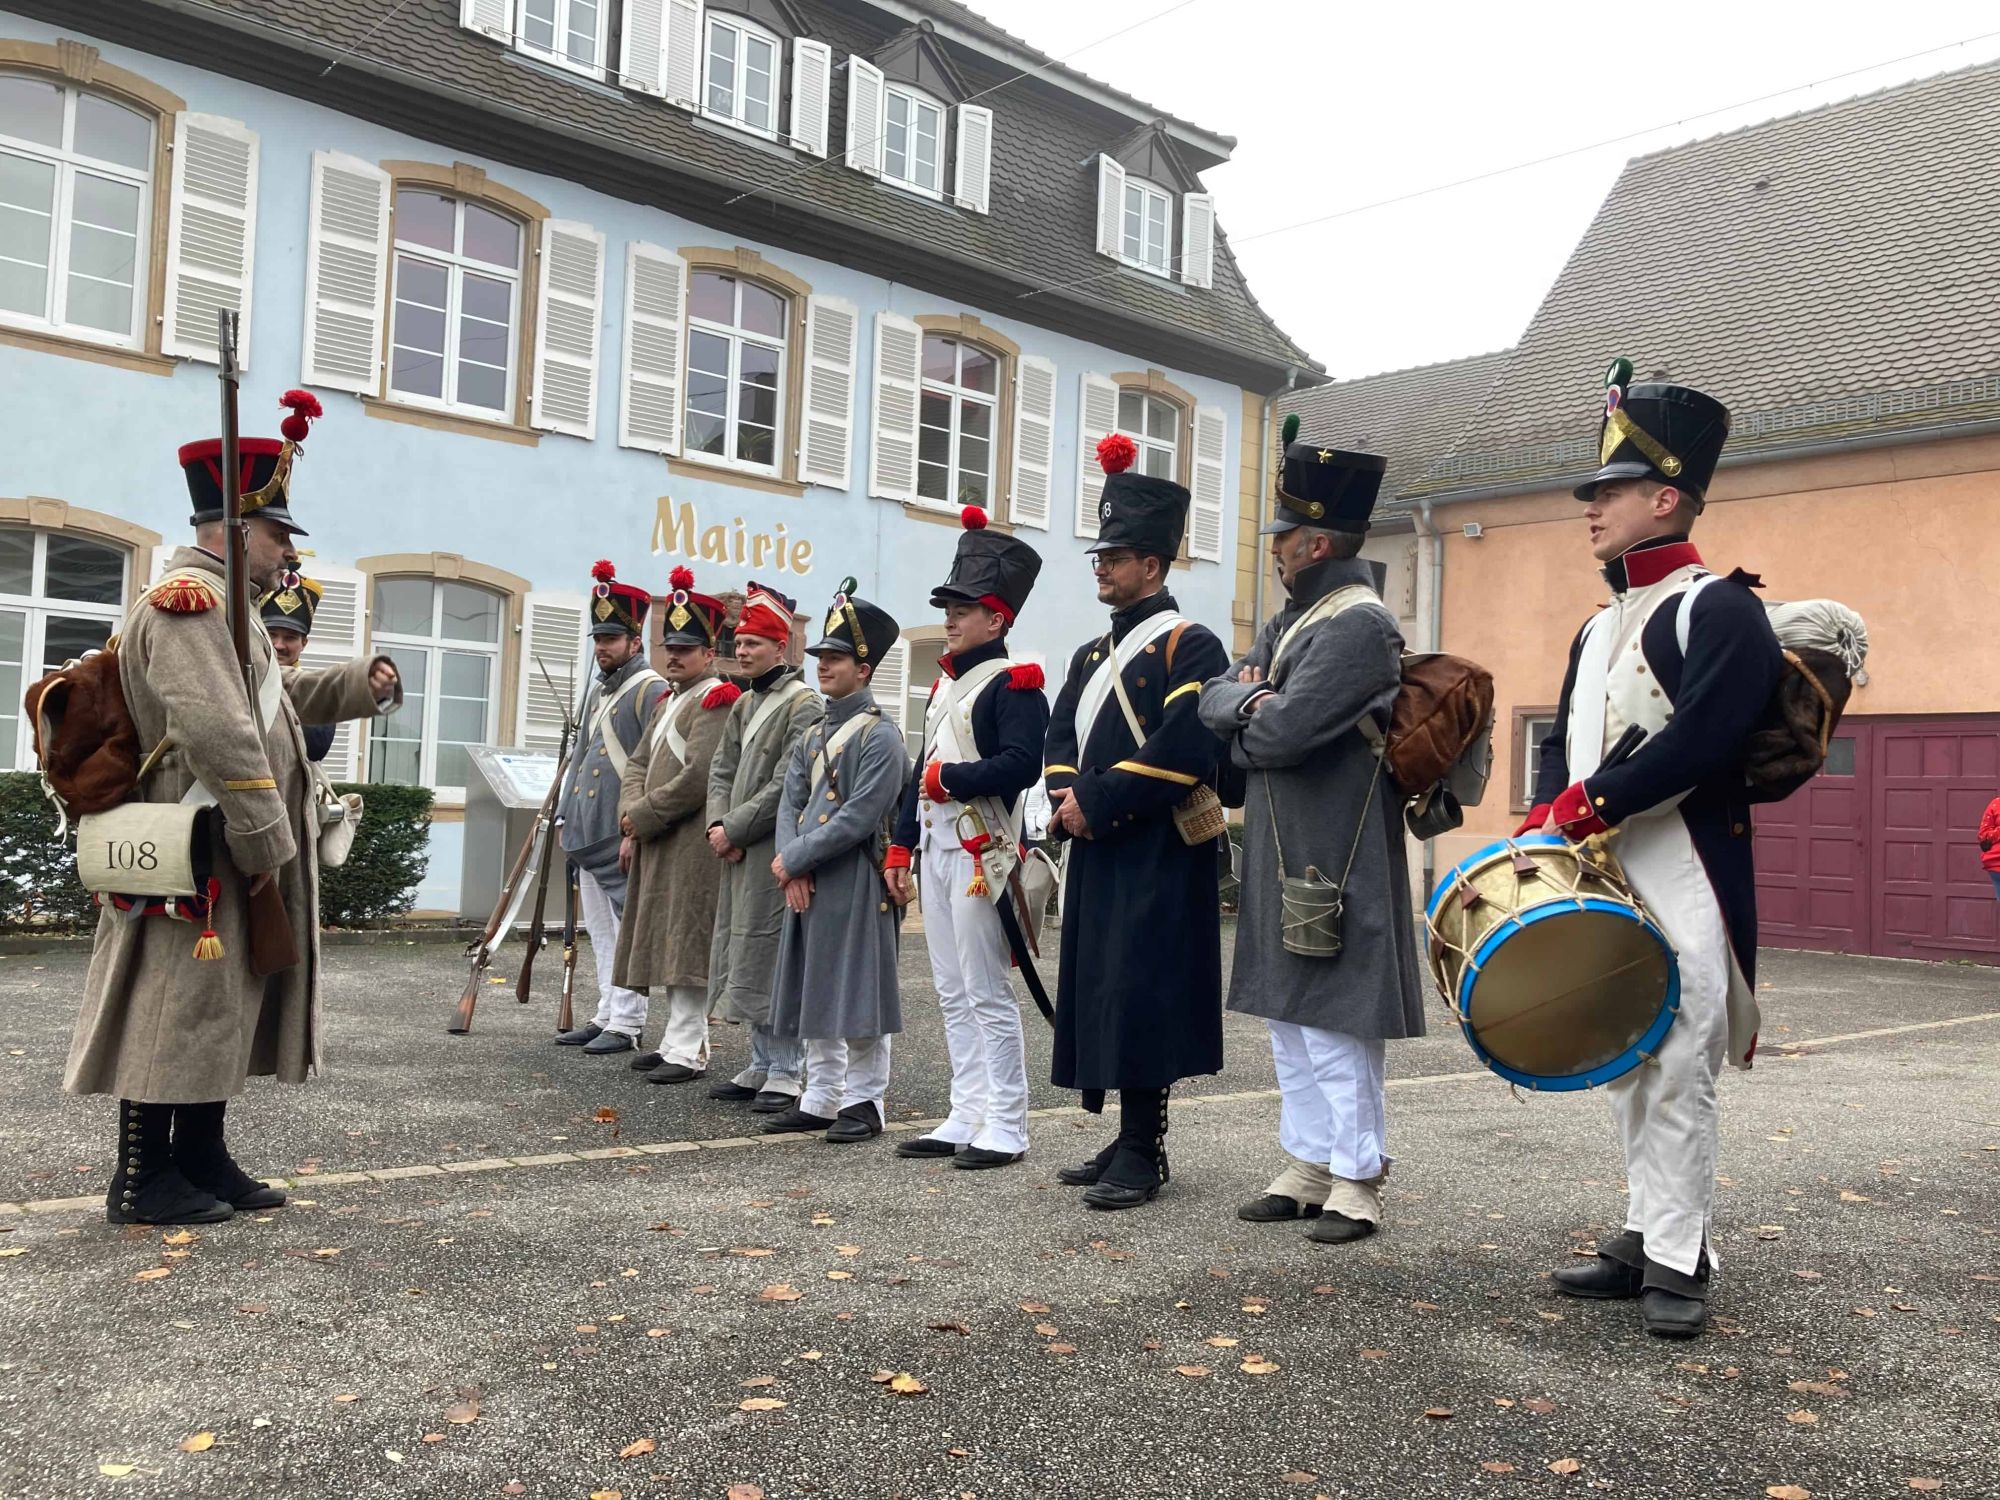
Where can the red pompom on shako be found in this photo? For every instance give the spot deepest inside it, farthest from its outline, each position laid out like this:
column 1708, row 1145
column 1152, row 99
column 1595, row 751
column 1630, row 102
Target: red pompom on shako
column 681, row 578
column 1116, row 453
column 603, row 570
column 973, row 517
column 304, row 408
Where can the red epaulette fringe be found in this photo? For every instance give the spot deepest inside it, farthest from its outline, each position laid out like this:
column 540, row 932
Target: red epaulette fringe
column 184, row 596
column 721, row 695
column 1026, row 678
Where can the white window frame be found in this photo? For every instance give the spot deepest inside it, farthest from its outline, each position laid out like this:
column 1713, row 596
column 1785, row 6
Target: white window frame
column 1531, row 743
column 68, row 164
column 737, row 337
column 914, row 100
column 433, row 649
column 37, row 605
column 961, row 395
column 746, row 30
column 1144, row 443
column 558, row 56
column 925, row 649
column 1146, row 193
column 456, row 264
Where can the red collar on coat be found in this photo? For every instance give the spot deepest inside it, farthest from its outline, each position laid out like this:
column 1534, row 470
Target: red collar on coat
column 1648, row 563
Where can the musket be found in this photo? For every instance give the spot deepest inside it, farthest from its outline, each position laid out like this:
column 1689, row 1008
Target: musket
column 565, row 1019
column 537, row 925
column 504, row 911
column 272, row 946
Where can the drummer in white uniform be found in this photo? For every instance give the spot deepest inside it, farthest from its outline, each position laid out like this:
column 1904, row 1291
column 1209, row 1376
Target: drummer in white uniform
column 1691, row 660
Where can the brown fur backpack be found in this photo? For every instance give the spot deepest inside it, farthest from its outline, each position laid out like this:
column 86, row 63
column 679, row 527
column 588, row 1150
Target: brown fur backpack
column 85, row 740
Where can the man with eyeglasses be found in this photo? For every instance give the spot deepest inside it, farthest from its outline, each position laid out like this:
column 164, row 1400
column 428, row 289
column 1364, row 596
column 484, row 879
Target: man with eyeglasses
column 1138, row 1003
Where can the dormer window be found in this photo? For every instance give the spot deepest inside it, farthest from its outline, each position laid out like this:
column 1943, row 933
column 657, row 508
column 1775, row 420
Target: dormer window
column 913, row 141
column 744, row 63
column 1139, row 223
column 1144, row 240
column 907, row 116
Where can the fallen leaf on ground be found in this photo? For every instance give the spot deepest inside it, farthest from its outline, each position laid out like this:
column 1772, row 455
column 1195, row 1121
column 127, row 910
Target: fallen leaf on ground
column 1438, row 1413
column 179, row 1237
column 12, row 1251
column 1538, row 1406
column 812, row 1354
column 1221, row 1342
column 847, row 1250
column 513, row 1487
column 752, row 1252
column 116, row 1471
column 200, row 1442
column 433, row 1437
column 605, row 1115
column 760, row 1403
column 1564, row 1466
column 1424, row 1307
column 1926, row 1484
column 1548, row 1317
column 839, row 1275
column 758, row 1382
column 1033, row 1307
column 462, row 1413
column 1864, row 1312
column 744, row 1492
column 346, row 1398
column 1503, row 1400
column 1787, row 1492
column 1802, row 1418
column 155, row 1274
column 329, row 1252
column 658, row 1333
column 1256, row 1307
column 779, row 1292
column 1047, row 1330
column 1324, row 1291
column 586, row 1328
column 1060, row 1348
column 907, row 1384
column 1374, row 1353
column 1852, row 1197
column 959, row 1328
column 1497, row 1466
column 1298, row 1476
column 821, row 1221
column 1256, row 1364
column 1193, row 1372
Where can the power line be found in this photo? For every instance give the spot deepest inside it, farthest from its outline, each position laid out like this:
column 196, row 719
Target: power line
column 366, row 37
column 1523, row 166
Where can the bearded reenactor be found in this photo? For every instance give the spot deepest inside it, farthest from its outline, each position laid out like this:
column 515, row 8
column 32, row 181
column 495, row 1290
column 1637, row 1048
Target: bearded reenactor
column 1139, row 1002
column 615, row 712
column 1304, row 713
column 173, row 1023
column 671, row 875
column 746, row 779
column 288, row 619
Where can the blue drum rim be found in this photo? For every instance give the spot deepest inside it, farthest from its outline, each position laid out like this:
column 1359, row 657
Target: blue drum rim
column 1448, row 882
column 1604, row 1073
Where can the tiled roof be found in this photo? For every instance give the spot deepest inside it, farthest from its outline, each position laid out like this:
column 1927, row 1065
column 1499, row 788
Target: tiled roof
column 1411, row 417
column 1041, row 231
column 1829, row 275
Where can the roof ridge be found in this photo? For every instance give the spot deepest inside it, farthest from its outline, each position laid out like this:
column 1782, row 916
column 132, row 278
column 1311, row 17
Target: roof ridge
column 1424, row 369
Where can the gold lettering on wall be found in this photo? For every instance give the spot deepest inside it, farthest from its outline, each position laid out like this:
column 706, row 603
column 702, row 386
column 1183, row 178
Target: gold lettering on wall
column 678, row 530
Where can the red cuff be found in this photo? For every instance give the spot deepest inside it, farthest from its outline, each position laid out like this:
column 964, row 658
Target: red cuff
column 934, row 782
column 1576, row 814
column 1538, row 815
column 898, row 858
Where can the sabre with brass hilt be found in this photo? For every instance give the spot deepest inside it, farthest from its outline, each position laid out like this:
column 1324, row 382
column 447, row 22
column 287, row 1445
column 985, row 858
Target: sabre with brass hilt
column 997, row 866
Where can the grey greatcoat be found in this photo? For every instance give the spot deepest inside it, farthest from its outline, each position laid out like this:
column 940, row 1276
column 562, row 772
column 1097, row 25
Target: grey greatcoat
column 158, row 1025
column 588, row 806
column 745, row 783
column 836, row 972
column 669, row 918
column 1306, row 755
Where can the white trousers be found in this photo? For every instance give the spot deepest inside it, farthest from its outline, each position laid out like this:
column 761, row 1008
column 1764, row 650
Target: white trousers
column 685, row 1040
column 844, row 1071
column 1332, row 1110
column 618, row 1009
column 982, row 1020
column 777, row 1063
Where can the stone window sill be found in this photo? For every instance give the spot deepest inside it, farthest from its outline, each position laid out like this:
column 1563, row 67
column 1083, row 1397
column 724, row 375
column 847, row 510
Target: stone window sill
column 445, row 421
column 104, row 354
column 770, row 484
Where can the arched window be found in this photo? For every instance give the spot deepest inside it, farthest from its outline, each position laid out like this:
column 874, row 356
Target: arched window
column 446, row 637
column 1155, row 424
column 455, row 326
column 958, row 423
column 743, row 64
column 60, row 596
column 76, row 215
column 913, row 140
column 736, row 370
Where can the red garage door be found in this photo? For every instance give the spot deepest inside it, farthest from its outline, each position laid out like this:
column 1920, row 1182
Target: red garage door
column 1879, row 853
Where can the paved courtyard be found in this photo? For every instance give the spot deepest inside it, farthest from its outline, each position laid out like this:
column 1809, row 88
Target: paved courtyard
column 509, row 1269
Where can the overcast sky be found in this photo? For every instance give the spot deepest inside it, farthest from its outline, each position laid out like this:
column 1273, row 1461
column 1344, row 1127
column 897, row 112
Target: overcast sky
column 1337, row 105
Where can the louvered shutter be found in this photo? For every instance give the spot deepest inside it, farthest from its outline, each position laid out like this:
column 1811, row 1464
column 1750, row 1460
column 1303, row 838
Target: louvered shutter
column 649, row 377
column 864, row 116
column 347, row 257
column 891, row 685
column 826, row 435
column 1110, row 205
column 892, row 442
column 1034, row 441
column 812, row 92
column 1097, row 416
column 211, row 234
column 642, row 46
column 553, row 636
column 1211, row 440
column 339, row 635
column 488, row 17
column 680, row 65
column 1198, row 239
column 566, row 336
column 971, row 185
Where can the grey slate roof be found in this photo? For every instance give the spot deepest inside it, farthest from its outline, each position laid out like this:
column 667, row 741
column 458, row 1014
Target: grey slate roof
column 1411, row 417
column 1041, row 231
column 1830, row 275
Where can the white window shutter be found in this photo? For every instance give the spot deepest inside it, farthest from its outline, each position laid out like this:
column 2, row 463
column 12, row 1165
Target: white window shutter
column 892, row 445
column 681, row 54
column 865, row 125
column 339, row 634
column 488, row 17
column 211, row 234
column 812, row 93
column 642, row 48
column 972, row 185
column 826, row 438
column 1034, row 441
column 1211, row 441
column 566, row 338
column 553, row 635
column 1198, row 239
column 1110, row 205
column 649, row 378
column 347, row 257
column 1097, row 418
column 891, row 685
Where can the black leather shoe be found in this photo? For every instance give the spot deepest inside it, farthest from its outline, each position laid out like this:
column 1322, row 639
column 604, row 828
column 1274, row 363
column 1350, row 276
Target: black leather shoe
column 1275, row 1208
column 1617, row 1274
column 1669, row 1315
column 1083, row 1174
column 730, row 1092
column 645, row 1062
column 1333, row 1227
column 979, row 1159
column 858, row 1122
column 607, row 1042
column 1109, row 1195
column 926, row 1145
column 672, row 1072
column 771, row 1102
column 795, row 1121
column 589, row 1031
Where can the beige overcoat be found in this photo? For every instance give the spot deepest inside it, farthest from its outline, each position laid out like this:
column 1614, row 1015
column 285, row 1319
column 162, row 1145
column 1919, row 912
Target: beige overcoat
column 669, row 918
column 158, row 1025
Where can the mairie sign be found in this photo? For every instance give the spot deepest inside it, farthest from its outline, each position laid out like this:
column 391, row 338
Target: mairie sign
column 677, row 529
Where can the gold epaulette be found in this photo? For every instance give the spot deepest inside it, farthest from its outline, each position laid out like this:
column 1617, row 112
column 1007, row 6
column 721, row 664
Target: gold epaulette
column 185, row 593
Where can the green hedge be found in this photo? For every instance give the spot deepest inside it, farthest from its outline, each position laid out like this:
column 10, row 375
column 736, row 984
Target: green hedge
column 39, row 890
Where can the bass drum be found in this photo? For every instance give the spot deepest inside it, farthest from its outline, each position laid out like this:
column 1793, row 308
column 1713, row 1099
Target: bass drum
column 1559, row 978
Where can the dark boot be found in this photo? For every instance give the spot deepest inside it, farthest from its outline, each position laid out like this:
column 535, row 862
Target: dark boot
column 589, row 1031
column 1275, row 1208
column 147, row 1187
column 772, row 1102
column 1674, row 1305
column 205, row 1161
column 795, row 1121
column 728, row 1090
column 926, row 1145
column 1616, row 1274
column 857, row 1122
column 1138, row 1167
column 645, row 1062
column 672, row 1072
column 1084, row 1173
column 1335, row 1228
